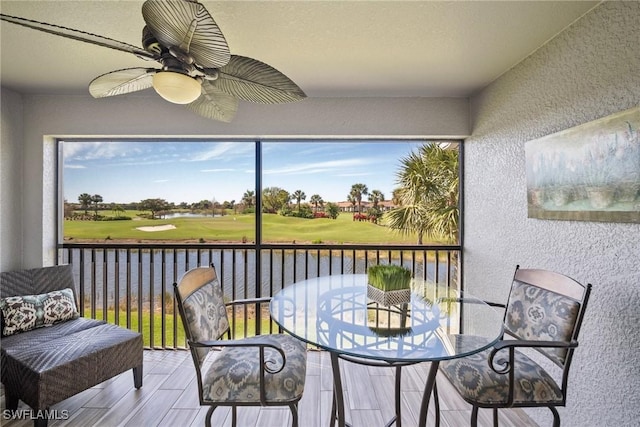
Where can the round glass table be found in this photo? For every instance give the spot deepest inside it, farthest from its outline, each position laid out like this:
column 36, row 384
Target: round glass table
column 436, row 323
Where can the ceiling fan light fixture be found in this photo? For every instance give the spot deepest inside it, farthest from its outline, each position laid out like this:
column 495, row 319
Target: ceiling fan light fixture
column 176, row 87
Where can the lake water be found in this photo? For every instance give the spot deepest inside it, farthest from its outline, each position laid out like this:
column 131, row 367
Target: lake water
column 154, row 272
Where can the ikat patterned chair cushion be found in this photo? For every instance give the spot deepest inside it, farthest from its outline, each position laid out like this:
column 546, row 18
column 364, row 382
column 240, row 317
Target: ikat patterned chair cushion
column 477, row 382
column 27, row 312
column 234, row 372
column 538, row 314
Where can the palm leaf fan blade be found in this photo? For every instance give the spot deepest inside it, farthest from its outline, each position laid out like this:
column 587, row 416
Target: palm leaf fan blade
column 214, row 104
column 121, row 81
column 251, row 80
column 78, row 35
column 188, row 25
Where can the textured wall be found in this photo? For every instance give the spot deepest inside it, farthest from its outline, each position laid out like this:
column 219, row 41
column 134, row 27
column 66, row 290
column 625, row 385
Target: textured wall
column 589, row 71
column 11, row 181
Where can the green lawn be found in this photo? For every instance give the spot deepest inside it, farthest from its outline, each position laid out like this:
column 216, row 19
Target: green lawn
column 238, row 326
column 237, row 228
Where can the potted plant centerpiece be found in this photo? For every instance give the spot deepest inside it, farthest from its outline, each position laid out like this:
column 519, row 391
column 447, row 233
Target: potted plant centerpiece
column 389, row 284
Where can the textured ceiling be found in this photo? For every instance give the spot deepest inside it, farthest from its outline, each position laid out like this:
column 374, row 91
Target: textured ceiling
column 329, row 48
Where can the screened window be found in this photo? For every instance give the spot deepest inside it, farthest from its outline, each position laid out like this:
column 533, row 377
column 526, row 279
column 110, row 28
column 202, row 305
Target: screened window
column 307, row 191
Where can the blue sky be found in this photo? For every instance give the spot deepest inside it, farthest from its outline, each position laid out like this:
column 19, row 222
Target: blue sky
column 126, row 171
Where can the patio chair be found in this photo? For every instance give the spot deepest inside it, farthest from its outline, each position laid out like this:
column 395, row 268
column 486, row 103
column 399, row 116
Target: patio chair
column 544, row 312
column 265, row 370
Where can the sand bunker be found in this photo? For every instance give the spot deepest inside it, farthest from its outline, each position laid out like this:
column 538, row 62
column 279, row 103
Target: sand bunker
column 157, row 228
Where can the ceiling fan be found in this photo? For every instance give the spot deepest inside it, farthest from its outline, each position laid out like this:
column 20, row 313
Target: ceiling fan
column 197, row 68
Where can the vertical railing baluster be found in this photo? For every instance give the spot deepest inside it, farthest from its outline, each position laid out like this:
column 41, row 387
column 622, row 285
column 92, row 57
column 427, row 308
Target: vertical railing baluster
column 282, row 268
column 330, row 262
column 81, row 283
column 140, row 266
column 175, row 303
column 245, row 285
column 413, row 263
column 116, row 286
column 437, row 267
column 366, row 259
column 355, row 262
column 295, row 266
column 128, row 288
column 105, row 300
column 93, row 283
column 163, row 302
column 233, row 291
column 151, row 298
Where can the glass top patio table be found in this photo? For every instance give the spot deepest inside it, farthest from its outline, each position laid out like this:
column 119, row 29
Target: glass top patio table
column 335, row 314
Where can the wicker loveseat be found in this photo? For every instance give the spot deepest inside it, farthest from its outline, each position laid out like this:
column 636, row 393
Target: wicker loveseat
column 48, row 352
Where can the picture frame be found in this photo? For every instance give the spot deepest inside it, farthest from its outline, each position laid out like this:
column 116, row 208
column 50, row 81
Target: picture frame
column 590, row 172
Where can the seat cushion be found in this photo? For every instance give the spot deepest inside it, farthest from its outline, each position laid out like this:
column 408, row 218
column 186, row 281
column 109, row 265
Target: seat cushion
column 478, row 384
column 48, row 371
column 234, row 373
column 43, row 335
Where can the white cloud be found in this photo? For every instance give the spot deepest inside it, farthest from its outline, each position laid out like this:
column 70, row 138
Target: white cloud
column 223, row 150
column 318, row 167
column 217, row 170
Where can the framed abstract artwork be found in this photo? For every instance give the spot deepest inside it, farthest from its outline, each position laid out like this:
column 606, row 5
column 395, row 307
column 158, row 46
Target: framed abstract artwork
column 587, row 173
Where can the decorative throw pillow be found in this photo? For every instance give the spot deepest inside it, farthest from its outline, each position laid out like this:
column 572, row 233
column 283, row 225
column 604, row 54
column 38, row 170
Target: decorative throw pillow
column 26, row 312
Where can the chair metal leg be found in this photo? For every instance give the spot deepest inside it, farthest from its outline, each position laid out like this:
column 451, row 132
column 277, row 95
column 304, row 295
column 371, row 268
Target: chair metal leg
column 495, row 417
column 556, row 416
column 294, row 414
column 234, row 416
column 207, row 420
column 474, row 417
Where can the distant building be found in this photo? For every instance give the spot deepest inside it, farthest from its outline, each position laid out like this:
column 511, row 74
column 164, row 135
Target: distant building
column 385, row 206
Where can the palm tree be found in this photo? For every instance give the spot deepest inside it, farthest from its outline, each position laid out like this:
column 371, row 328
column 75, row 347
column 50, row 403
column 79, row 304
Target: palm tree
column 353, row 202
column 357, row 191
column 428, row 194
column 298, row 195
column 249, row 198
column 376, row 197
column 116, row 209
column 85, row 202
column 96, row 199
column 395, row 197
column 316, row 200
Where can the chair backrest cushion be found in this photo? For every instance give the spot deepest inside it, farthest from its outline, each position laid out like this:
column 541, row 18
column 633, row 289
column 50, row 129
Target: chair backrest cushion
column 534, row 313
column 205, row 314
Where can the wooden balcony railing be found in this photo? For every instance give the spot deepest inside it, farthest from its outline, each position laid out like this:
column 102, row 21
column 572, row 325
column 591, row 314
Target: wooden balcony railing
column 131, row 285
